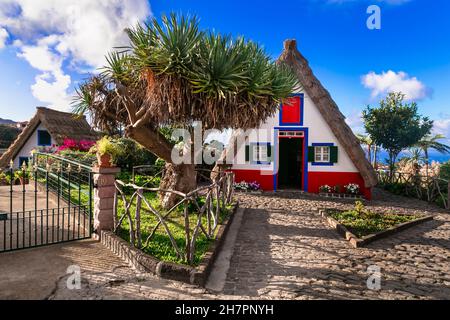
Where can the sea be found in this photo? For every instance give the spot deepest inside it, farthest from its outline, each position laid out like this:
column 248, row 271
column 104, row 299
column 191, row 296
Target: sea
column 434, row 156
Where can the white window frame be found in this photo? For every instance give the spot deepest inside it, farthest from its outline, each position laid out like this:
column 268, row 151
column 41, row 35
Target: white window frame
column 260, row 153
column 322, row 154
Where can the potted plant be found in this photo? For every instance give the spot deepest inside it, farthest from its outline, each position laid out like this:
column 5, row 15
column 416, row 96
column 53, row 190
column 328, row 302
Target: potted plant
column 3, row 179
column 107, row 152
column 325, row 189
column 22, row 177
column 352, row 189
column 337, row 189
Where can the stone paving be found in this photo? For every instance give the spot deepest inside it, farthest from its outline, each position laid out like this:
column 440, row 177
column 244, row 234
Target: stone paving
column 284, row 250
column 33, row 221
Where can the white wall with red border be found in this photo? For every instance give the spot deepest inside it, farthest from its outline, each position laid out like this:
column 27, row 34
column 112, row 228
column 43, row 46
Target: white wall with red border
column 316, row 131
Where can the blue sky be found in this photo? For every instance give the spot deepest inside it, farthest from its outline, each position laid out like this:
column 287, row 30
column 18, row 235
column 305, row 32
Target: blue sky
column 411, row 51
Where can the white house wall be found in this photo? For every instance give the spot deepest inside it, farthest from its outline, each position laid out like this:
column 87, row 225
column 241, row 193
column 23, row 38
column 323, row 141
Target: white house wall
column 318, row 132
column 29, row 146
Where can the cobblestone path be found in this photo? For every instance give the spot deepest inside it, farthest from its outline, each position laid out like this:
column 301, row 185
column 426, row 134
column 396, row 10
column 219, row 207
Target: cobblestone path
column 285, row 250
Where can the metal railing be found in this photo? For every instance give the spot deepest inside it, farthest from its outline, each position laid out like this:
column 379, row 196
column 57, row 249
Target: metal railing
column 68, row 178
column 49, row 188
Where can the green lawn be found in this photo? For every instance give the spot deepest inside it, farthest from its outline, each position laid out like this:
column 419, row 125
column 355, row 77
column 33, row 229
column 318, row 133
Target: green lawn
column 362, row 224
column 160, row 246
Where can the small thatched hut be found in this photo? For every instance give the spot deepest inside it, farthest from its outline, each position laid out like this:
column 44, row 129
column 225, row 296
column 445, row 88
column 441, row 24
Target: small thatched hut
column 48, row 128
column 307, row 144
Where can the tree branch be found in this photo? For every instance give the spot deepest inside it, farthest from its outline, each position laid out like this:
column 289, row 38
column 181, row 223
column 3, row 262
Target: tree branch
column 152, row 140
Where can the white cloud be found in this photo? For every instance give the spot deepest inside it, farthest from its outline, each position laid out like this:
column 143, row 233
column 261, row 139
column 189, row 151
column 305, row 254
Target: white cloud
column 3, row 37
column 54, row 34
column 442, row 126
column 355, row 121
column 391, row 81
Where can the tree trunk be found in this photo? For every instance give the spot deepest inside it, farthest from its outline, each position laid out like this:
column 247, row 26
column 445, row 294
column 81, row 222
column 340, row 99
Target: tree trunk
column 375, row 156
column 392, row 157
column 182, row 178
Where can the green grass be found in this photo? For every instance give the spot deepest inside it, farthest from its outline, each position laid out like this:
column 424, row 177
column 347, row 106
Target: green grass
column 362, row 224
column 160, row 246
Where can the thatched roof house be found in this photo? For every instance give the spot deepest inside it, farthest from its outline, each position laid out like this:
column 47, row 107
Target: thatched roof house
column 47, row 128
column 310, row 145
column 329, row 110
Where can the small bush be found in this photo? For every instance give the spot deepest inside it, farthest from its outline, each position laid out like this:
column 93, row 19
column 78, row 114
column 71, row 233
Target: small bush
column 147, row 181
column 133, row 154
column 246, row 186
column 325, row 189
column 338, row 188
column 352, row 188
column 444, row 172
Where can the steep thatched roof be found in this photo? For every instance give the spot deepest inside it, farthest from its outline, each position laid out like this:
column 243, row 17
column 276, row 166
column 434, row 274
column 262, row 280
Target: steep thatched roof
column 329, row 110
column 60, row 125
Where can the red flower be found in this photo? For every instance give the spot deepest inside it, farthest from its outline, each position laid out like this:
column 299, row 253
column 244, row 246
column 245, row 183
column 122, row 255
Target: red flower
column 73, row 145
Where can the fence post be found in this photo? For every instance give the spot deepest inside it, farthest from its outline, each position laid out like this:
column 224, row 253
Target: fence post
column 104, row 191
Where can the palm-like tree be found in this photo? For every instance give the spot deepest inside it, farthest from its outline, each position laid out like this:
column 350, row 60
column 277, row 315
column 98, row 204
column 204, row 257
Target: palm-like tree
column 416, row 158
column 372, row 148
column 173, row 74
column 365, row 140
column 432, row 142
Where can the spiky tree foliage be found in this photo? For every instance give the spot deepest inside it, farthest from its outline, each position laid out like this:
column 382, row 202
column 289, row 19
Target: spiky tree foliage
column 173, row 74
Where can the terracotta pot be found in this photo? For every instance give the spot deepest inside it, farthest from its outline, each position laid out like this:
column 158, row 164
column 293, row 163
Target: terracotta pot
column 104, row 160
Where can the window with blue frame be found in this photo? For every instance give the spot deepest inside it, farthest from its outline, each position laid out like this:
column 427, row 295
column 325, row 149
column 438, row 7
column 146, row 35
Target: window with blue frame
column 323, row 154
column 23, row 160
column 44, row 138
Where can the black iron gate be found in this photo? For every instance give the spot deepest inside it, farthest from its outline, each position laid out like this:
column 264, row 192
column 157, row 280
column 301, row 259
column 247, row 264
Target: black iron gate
column 46, row 202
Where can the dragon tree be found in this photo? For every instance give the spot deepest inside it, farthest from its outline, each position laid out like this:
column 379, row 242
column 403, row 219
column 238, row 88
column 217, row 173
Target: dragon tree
column 173, row 74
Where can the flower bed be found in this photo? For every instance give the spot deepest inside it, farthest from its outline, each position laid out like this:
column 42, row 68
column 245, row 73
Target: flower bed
column 245, row 186
column 361, row 226
column 351, row 191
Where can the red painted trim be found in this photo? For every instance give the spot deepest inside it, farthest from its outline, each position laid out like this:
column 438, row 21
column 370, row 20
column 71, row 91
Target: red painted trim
column 315, row 180
column 266, row 180
column 303, row 187
column 318, row 179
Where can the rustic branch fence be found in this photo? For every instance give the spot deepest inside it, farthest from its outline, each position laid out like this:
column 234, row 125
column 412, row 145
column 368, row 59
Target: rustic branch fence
column 429, row 188
column 216, row 197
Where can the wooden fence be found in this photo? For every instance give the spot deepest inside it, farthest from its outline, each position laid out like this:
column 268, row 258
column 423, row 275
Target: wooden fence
column 215, row 197
column 431, row 189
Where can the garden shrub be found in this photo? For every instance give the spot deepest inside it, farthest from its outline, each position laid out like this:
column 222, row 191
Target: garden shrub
column 445, row 171
column 133, row 154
